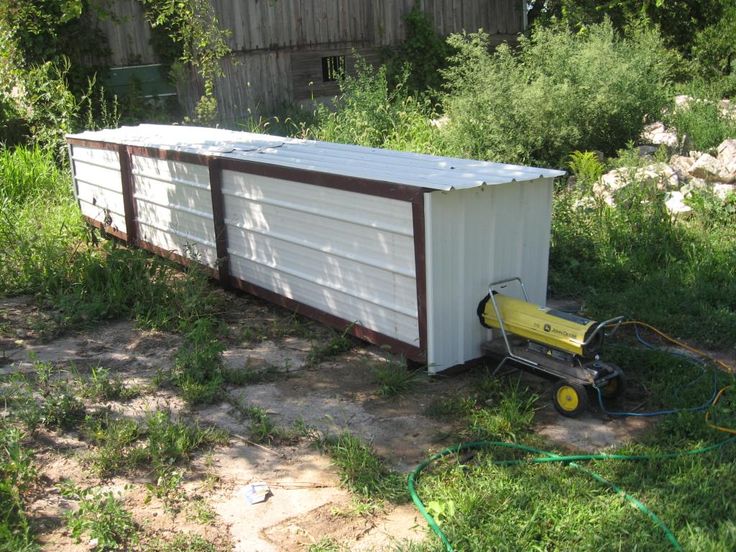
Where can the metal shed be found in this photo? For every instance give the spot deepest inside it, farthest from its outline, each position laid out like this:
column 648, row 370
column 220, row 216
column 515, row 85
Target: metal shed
column 398, row 246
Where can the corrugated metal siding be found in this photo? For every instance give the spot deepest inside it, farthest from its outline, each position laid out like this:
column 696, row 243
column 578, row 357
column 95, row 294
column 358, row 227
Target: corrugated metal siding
column 98, row 185
column 173, row 207
column 412, row 169
column 342, row 252
column 474, row 237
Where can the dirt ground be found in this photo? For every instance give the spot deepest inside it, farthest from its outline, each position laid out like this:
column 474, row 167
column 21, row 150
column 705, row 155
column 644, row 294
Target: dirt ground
column 306, row 504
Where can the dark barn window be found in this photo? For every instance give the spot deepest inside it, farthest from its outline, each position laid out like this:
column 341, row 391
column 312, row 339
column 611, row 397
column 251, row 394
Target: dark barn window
column 332, row 68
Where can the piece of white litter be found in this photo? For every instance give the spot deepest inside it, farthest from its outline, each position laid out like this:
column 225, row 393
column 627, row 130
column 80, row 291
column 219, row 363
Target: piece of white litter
column 257, row 492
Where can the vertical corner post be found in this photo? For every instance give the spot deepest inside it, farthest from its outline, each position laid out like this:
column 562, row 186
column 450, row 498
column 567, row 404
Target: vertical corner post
column 218, row 216
column 126, row 176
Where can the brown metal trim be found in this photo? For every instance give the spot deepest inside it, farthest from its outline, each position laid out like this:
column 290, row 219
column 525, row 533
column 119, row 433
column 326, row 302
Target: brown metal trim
column 420, row 262
column 366, row 186
column 170, row 155
column 126, row 177
column 175, row 257
column 107, row 229
column 93, row 144
column 218, row 216
column 397, row 347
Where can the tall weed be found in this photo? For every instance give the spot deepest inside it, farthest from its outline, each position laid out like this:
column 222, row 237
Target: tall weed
column 558, row 93
column 371, row 113
column 635, row 259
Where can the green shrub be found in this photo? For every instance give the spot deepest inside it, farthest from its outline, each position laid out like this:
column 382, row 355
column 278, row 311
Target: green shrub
column 371, row 113
column 559, row 93
column 423, row 51
column 586, row 167
column 714, row 48
column 703, row 123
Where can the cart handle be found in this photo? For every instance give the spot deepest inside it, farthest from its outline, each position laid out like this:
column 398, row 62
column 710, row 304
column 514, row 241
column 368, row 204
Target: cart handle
column 503, row 283
column 616, row 320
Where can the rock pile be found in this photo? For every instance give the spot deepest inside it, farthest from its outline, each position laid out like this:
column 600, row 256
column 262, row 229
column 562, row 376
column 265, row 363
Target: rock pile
column 687, row 170
column 679, row 177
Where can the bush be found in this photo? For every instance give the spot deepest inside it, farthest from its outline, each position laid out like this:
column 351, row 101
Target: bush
column 703, row 123
column 561, row 92
column 370, row 113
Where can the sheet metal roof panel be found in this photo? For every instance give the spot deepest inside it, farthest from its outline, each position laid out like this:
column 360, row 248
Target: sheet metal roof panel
column 411, row 169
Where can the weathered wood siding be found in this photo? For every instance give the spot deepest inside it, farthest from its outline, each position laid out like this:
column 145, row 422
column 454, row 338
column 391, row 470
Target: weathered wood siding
column 128, row 33
column 278, row 45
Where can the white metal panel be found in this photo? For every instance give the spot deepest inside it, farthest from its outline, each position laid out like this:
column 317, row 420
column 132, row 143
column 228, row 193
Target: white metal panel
column 173, row 206
column 98, row 185
column 411, row 169
column 345, row 253
column 474, row 237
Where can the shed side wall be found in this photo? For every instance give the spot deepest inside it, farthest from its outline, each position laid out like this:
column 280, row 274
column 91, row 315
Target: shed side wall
column 98, row 185
column 342, row 252
column 473, row 238
column 173, row 207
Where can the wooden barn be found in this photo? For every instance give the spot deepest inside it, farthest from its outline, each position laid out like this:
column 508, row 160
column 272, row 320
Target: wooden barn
column 286, row 51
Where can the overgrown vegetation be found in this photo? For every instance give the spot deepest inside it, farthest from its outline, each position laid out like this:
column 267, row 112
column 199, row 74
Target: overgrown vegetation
column 362, row 470
column 559, row 93
column 481, row 505
column 574, row 89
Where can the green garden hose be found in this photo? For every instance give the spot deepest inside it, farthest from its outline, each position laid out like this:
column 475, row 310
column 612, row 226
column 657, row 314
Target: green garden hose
column 549, row 457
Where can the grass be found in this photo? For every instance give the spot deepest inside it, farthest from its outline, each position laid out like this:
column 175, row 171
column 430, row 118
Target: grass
column 101, row 518
column 484, row 506
column 17, row 475
column 394, row 378
column 636, row 260
column 362, row 471
column 159, row 442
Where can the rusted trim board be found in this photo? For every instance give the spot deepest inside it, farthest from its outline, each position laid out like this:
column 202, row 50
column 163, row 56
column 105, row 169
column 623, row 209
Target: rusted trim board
column 126, row 177
column 366, row 186
column 361, row 332
column 420, row 261
column 218, row 216
column 107, row 229
column 170, row 155
column 93, row 144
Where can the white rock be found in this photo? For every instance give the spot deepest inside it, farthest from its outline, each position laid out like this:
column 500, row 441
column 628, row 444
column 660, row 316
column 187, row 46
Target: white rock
column 664, row 175
column 694, row 154
column 657, row 133
column 675, row 204
column 727, row 157
column 681, row 165
column 708, row 168
column 724, row 190
column 683, row 100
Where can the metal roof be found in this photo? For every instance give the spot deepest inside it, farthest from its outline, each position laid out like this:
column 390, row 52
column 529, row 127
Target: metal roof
column 412, row 169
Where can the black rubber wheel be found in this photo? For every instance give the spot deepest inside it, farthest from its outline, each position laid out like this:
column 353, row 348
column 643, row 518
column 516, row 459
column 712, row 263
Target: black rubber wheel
column 614, row 388
column 570, row 398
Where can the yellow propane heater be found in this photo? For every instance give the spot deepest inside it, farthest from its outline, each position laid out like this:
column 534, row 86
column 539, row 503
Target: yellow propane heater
column 554, row 344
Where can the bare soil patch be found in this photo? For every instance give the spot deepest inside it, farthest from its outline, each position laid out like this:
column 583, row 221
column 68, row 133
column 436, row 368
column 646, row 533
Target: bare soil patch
column 307, row 503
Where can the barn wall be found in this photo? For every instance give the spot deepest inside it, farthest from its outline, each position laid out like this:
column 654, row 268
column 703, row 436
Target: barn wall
column 278, row 45
column 475, row 237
